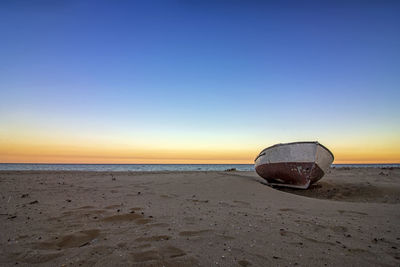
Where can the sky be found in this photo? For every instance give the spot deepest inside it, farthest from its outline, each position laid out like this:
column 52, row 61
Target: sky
column 197, row 81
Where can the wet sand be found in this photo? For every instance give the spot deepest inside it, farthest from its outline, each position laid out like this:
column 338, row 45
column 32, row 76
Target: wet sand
column 351, row 217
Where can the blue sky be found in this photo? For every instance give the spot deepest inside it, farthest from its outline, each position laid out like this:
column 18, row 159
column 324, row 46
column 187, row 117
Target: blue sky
column 235, row 73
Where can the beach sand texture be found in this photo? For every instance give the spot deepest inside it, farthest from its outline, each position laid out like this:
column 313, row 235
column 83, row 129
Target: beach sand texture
column 351, row 217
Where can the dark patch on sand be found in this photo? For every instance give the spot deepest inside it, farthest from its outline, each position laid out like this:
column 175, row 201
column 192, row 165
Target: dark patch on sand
column 352, row 212
column 113, row 206
column 153, row 238
column 77, row 239
column 39, row 257
column 123, row 217
column 244, row 263
column 162, row 256
column 85, row 207
column 194, row 233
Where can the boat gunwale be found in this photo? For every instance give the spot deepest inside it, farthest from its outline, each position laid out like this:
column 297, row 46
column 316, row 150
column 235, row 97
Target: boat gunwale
column 292, row 143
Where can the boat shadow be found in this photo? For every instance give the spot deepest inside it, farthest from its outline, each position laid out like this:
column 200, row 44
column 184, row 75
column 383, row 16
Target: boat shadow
column 347, row 192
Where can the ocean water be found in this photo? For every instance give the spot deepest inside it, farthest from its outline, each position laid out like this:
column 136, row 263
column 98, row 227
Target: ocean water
column 124, row 167
column 153, row 167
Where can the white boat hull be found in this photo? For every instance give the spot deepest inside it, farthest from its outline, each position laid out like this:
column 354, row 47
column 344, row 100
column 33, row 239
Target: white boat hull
column 297, row 165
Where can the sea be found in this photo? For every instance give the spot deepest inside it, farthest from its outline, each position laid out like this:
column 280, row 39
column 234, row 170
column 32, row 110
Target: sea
column 154, row 167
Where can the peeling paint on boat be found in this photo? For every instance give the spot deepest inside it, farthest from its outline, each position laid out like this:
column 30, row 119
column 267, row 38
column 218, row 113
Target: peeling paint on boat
column 297, row 165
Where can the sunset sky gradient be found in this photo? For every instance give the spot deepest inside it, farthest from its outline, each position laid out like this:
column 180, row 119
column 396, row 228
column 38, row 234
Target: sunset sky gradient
column 197, row 81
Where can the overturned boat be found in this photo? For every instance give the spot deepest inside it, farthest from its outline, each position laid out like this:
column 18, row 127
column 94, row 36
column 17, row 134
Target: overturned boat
column 296, row 165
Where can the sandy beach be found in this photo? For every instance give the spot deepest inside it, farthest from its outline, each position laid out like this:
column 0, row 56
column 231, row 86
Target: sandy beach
column 350, row 218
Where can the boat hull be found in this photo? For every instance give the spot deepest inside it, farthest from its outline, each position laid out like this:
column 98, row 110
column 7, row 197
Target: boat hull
column 296, row 165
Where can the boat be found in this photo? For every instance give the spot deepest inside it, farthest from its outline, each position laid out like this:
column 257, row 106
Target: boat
column 295, row 165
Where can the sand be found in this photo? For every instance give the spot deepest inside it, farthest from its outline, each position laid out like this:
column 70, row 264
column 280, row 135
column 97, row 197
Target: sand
column 351, row 217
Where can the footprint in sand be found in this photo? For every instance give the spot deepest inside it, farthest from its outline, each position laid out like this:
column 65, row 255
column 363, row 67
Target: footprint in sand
column 79, row 212
column 244, row 263
column 113, row 206
column 38, row 257
column 339, row 229
column 169, row 196
column 137, row 218
column 85, row 207
column 352, row 212
column 197, row 200
column 153, row 238
column 242, row 202
column 168, row 256
column 77, row 239
column 293, row 210
column 225, row 237
column 194, row 233
column 146, row 256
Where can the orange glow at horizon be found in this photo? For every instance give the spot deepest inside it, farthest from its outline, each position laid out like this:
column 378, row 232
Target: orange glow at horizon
column 35, row 153
column 97, row 154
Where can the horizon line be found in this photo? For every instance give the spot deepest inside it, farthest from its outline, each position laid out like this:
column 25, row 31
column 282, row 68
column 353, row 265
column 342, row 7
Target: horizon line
column 44, row 163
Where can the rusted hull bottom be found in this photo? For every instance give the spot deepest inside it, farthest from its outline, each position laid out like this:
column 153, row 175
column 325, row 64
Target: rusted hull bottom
column 290, row 174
